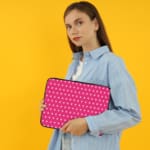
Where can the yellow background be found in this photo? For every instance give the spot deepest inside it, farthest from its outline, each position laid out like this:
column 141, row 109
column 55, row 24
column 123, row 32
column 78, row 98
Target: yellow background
column 33, row 47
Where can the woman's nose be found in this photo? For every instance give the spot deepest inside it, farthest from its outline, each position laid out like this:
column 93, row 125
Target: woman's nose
column 74, row 30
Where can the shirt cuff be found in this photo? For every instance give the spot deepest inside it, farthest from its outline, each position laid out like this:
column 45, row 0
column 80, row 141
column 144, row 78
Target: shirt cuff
column 92, row 130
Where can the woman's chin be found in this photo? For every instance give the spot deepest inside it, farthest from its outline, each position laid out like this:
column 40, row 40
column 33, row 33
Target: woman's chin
column 77, row 44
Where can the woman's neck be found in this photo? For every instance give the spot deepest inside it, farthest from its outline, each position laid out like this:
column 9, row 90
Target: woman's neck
column 91, row 46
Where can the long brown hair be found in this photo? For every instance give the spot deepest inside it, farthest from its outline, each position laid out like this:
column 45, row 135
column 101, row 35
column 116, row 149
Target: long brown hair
column 92, row 12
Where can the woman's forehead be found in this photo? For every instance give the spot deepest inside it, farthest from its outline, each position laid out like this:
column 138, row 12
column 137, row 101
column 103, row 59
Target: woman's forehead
column 74, row 15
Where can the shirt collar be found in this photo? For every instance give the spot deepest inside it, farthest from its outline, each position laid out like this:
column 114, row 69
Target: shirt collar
column 95, row 53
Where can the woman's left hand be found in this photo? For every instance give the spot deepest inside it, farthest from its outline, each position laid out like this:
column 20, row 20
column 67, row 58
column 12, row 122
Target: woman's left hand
column 77, row 127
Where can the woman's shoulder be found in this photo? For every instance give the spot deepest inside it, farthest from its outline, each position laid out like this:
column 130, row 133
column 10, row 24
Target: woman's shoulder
column 113, row 58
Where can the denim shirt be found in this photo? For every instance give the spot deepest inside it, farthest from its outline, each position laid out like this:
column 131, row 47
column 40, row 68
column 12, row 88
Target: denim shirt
column 100, row 66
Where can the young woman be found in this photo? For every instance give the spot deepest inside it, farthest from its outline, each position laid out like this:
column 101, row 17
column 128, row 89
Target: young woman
column 94, row 62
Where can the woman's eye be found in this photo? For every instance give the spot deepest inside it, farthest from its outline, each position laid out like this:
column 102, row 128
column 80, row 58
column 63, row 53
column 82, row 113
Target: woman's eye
column 79, row 22
column 68, row 27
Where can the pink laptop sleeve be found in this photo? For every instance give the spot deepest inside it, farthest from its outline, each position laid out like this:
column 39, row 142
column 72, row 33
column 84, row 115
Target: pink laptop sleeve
column 67, row 99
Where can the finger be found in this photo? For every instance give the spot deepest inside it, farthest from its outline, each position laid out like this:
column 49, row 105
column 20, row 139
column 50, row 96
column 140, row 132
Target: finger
column 44, row 105
column 68, row 130
column 65, row 127
column 42, row 101
column 41, row 109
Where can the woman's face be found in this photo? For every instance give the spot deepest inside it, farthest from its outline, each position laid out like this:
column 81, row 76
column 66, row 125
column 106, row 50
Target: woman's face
column 80, row 28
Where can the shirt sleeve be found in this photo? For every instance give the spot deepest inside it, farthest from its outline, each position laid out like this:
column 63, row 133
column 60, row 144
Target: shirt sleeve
column 126, row 111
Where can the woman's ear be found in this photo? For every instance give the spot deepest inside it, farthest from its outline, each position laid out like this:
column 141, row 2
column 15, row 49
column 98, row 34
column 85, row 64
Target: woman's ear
column 96, row 24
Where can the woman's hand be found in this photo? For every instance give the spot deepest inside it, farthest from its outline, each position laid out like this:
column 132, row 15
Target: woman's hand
column 42, row 105
column 75, row 127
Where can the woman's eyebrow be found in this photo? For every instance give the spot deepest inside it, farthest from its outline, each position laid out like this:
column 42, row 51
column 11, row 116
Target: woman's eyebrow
column 76, row 20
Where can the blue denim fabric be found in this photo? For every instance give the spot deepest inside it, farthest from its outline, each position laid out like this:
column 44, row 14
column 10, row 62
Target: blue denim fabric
column 100, row 66
column 66, row 141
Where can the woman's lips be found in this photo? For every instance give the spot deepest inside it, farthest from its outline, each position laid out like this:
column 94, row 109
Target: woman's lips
column 76, row 38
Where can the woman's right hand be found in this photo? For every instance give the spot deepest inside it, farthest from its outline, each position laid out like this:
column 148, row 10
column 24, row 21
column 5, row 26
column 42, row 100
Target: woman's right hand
column 42, row 105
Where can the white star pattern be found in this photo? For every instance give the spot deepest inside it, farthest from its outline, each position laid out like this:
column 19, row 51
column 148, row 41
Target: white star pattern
column 66, row 100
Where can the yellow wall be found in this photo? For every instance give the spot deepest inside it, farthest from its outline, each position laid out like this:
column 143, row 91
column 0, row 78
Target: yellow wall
column 30, row 31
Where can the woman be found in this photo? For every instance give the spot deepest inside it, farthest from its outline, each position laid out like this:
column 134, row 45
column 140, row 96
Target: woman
column 94, row 62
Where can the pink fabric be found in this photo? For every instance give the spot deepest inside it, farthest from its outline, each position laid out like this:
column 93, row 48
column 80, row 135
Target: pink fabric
column 66, row 100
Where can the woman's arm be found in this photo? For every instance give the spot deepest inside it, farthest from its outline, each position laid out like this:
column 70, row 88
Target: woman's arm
column 126, row 112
